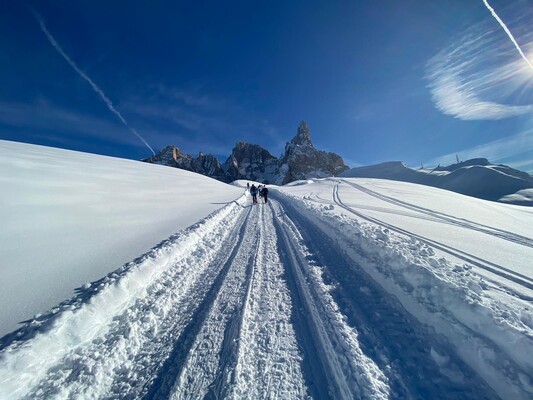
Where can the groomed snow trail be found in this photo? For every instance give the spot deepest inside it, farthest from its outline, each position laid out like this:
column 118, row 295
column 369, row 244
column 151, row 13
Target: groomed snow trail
column 267, row 301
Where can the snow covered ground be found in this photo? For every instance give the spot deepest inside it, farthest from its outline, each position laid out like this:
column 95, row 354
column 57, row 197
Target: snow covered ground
column 69, row 218
column 336, row 288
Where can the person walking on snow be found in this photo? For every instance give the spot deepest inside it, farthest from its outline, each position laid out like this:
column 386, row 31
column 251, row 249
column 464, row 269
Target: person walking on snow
column 253, row 192
column 264, row 193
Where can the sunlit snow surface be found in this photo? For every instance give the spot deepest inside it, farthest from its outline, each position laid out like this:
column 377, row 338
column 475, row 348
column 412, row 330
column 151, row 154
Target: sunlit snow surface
column 68, row 218
column 337, row 288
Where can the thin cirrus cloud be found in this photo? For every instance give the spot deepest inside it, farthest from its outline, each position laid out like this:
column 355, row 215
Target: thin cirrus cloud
column 481, row 77
column 48, row 117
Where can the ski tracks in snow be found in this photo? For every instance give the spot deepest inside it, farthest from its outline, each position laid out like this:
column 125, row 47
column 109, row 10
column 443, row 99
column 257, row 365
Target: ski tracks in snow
column 251, row 302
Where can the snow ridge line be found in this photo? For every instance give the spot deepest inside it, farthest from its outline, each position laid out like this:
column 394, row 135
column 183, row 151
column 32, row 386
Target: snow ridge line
column 350, row 373
column 499, row 233
column 501, row 357
column 31, row 351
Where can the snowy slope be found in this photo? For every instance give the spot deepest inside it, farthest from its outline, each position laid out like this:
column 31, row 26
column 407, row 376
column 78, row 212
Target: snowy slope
column 476, row 178
column 69, row 218
column 335, row 288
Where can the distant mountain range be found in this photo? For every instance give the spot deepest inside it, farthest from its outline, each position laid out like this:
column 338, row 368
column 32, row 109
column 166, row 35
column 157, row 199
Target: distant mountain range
column 300, row 160
column 476, row 177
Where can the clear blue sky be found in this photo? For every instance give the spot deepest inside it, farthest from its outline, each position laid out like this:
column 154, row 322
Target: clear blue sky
column 416, row 81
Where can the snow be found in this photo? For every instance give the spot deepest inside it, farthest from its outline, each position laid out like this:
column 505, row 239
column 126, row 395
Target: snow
column 476, row 177
column 524, row 197
column 69, row 218
column 337, row 288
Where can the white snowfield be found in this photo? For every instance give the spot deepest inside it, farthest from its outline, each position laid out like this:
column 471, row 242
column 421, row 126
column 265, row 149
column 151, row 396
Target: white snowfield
column 335, row 288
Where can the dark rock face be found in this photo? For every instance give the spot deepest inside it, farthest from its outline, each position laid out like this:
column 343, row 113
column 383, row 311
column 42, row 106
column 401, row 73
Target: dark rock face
column 204, row 164
column 207, row 164
column 250, row 161
column 301, row 160
column 167, row 156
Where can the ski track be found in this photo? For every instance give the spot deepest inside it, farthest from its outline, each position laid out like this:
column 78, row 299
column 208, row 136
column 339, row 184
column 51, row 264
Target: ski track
column 332, row 342
column 268, row 359
column 442, row 217
column 387, row 330
column 270, row 301
column 512, row 276
column 454, row 309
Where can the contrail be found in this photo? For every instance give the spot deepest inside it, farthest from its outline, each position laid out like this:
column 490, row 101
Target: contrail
column 508, row 33
column 102, row 95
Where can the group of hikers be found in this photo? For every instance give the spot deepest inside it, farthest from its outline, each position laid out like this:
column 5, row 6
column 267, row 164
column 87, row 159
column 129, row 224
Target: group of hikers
column 260, row 190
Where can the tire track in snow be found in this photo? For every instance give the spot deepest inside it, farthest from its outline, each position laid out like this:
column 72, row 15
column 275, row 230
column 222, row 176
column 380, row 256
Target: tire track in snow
column 269, row 360
column 206, row 354
column 496, row 269
column 335, row 365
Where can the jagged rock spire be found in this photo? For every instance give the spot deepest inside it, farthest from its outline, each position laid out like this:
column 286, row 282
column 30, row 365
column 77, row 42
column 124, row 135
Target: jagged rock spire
column 303, row 137
column 249, row 161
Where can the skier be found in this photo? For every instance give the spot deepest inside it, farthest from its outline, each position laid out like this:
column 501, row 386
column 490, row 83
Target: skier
column 264, row 193
column 253, row 192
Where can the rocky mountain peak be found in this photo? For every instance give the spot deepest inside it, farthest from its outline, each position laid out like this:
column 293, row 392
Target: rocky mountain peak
column 303, row 137
column 167, row 156
column 301, row 160
column 250, row 161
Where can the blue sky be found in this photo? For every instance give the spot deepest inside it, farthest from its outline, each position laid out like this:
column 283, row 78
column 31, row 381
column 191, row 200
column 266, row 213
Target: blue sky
column 416, row 81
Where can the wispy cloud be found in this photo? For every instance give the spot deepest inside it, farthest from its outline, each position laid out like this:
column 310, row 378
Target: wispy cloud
column 43, row 116
column 479, row 77
column 200, row 119
column 82, row 74
column 515, row 150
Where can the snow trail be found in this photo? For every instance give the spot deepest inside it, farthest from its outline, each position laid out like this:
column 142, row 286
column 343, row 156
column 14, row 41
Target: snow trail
column 447, row 298
column 91, row 346
column 279, row 300
column 210, row 359
column 399, row 345
column 349, row 373
column 269, row 360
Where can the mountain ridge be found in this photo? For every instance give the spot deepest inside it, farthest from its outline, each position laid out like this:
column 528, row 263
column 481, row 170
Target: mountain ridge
column 300, row 160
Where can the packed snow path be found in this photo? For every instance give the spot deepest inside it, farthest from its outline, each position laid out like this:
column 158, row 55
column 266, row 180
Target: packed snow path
column 266, row 301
